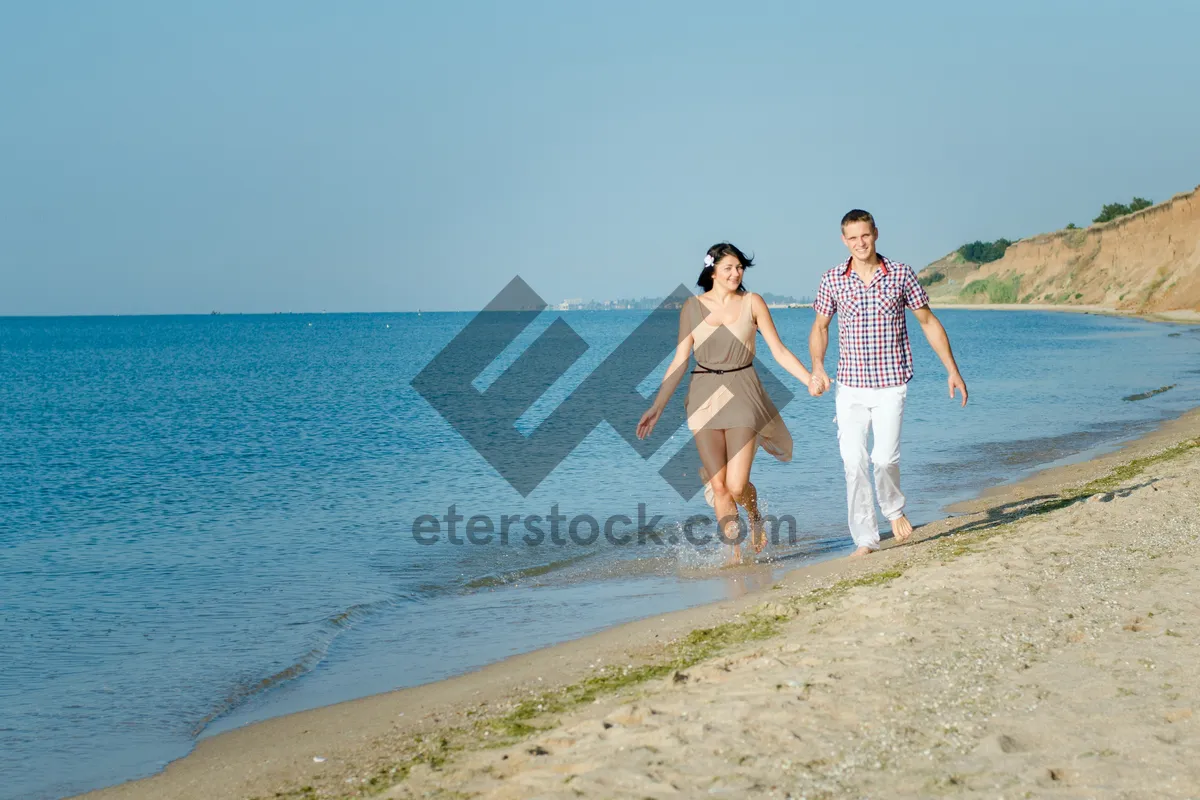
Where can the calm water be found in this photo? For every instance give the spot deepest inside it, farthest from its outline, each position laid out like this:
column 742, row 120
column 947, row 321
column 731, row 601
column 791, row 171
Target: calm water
column 208, row 520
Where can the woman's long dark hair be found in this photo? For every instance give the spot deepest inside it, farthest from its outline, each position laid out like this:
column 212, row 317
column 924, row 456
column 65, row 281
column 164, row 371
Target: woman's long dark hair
column 719, row 251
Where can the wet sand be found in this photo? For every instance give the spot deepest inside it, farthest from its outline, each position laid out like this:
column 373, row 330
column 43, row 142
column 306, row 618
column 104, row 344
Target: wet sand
column 1037, row 642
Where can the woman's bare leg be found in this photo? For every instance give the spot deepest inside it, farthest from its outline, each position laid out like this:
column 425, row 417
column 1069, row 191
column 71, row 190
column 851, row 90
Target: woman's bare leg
column 749, row 501
column 711, row 446
column 741, row 445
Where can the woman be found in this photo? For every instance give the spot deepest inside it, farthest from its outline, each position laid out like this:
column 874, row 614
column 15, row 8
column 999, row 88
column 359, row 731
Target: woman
column 728, row 411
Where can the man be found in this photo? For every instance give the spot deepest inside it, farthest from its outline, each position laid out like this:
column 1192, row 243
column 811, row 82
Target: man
column 869, row 293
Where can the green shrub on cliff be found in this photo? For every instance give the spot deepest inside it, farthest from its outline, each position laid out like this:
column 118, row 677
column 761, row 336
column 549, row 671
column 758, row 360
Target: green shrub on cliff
column 931, row 278
column 984, row 252
column 1111, row 211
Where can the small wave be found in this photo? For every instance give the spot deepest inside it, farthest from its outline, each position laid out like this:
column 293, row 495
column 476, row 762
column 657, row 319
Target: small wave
column 515, row 576
column 665, row 552
column 330, row 628
column 1147, row 395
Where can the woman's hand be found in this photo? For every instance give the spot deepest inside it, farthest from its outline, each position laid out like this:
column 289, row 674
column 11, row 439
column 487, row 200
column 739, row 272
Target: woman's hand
column 648, row 421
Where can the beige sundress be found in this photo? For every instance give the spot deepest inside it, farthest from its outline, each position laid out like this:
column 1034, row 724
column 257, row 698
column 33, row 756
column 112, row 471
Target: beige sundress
column 733, row 397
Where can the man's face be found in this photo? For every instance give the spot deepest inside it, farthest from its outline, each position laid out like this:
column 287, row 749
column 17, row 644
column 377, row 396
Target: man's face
column 859, row 238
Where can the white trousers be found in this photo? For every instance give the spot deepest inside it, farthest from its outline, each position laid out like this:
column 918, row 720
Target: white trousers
column 859, row 411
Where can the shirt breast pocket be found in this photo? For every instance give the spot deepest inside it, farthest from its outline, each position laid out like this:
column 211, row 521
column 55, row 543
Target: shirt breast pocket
column 848, row 304
column 891, row 301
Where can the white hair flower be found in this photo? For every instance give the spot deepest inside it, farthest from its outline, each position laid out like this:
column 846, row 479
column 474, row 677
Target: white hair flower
column 708, row 261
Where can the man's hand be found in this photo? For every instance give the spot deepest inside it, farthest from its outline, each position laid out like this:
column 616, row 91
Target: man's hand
column 956, row 381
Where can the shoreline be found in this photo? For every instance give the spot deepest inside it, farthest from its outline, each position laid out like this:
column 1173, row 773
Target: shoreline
column 356, row 737
column 1177, row 316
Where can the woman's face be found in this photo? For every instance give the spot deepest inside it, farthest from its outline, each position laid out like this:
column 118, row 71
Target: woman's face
column 728, row 273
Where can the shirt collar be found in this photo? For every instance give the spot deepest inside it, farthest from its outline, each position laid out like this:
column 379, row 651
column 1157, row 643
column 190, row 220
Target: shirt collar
column 883, row 265
column 850, row 265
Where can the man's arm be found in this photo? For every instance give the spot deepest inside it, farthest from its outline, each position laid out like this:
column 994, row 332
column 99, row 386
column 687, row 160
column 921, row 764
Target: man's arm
column 940, row 342
column 825, row 305
column 818, row 343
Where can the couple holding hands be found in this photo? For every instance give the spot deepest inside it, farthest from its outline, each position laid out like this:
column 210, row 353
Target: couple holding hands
column 730, row 414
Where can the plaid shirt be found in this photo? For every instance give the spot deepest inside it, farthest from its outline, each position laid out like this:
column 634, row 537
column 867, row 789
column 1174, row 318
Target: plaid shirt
column 873, row 348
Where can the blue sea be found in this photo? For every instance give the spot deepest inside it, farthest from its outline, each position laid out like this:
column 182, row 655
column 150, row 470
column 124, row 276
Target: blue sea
column 207, row 521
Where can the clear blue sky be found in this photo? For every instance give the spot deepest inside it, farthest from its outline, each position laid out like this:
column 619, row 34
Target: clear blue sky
column 374, row 156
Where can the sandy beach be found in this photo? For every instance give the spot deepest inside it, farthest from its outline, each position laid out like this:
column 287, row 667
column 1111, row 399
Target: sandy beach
column 1041, row 640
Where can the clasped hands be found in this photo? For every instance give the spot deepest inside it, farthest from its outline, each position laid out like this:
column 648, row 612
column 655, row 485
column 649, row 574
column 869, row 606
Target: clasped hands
column 818, row 383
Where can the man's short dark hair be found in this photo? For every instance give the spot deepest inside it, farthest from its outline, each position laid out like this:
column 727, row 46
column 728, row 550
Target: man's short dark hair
column 858, row 215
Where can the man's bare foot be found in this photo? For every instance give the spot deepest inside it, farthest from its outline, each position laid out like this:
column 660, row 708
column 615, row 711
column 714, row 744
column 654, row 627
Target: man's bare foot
column 862, row 551
column 734, row 557
column 901, row 528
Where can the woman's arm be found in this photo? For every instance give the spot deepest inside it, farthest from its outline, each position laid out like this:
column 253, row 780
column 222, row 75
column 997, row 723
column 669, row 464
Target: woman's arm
column 670, row 381
column 783, row 356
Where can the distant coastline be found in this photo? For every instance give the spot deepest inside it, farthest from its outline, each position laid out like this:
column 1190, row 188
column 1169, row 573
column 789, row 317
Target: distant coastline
column 646, row 304
column 651, row 303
